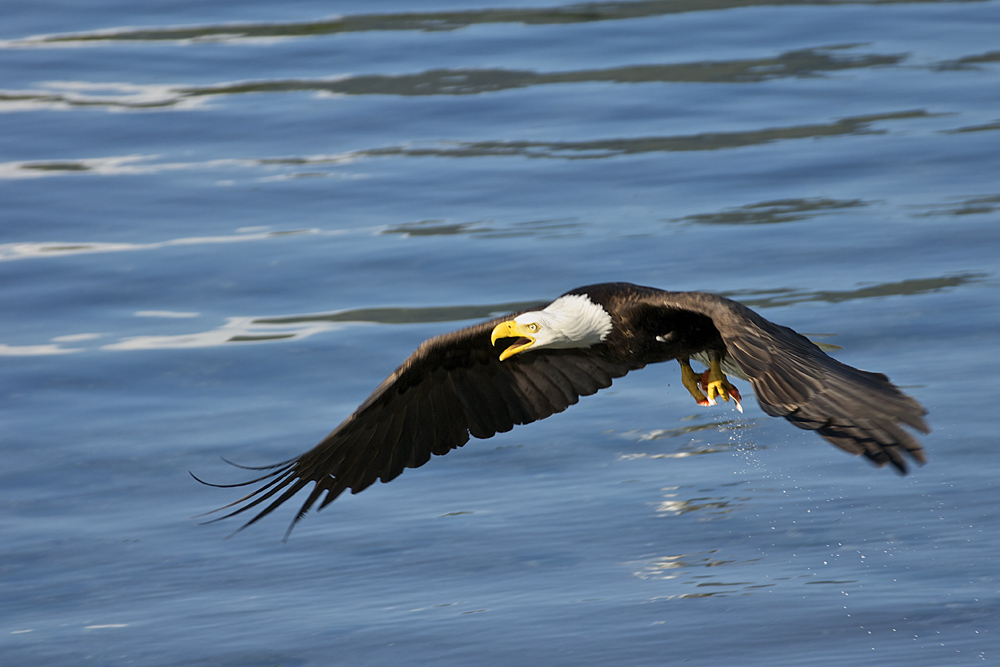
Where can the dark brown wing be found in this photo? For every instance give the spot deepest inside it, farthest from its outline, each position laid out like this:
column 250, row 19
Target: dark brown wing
column 454, row 385
column 858, row 411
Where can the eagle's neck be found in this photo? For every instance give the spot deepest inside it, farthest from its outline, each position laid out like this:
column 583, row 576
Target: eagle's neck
column 578, row 321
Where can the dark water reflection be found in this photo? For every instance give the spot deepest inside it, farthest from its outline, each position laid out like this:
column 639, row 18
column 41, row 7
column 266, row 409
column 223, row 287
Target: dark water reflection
column 604, row 148
column 802, row 63
column 447, row 21
column 539, row 228
column 905, row 287
column 972, row 206
column 562, row 150
column 405, row 315
column 807, row 62
column 772, row 212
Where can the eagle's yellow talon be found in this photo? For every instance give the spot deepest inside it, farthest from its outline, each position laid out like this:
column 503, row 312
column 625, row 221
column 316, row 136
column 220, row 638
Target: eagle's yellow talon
column 712, row 381
column 718, row 388
column 690, row 379
column 716, row 384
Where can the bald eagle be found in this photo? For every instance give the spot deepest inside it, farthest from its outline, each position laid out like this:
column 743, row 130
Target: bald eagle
column 519, row 368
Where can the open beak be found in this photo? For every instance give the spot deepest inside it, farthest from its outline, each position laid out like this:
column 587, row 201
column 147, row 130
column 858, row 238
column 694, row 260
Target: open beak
column 511, row 329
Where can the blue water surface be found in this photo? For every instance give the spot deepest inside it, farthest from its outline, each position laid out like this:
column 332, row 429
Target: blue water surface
column 224, row 224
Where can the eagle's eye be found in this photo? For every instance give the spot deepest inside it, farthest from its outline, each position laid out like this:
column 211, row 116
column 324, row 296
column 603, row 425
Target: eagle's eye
column 532, row 327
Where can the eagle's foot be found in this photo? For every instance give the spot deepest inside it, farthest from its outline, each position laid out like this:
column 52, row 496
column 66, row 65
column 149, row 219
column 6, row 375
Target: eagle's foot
column 714, row 382
column 690, row 379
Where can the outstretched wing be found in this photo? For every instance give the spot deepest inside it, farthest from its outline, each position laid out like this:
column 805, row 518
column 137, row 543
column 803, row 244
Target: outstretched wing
column 454, row 385
column 858, row 411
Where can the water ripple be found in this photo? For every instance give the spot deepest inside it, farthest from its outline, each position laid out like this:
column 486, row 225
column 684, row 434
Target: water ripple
column 911, row 287
column 773, row 212
column 136, row 97
column 427, row 21
column 12, row 251
column 560, row 150
column 603, row 148
column 799, row 63
column 260, row 329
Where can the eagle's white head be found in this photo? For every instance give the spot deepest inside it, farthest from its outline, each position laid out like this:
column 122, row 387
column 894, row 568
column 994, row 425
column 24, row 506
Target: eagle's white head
column 571, row 321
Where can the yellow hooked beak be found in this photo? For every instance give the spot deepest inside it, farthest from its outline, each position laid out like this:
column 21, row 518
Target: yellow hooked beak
column 511, row 329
